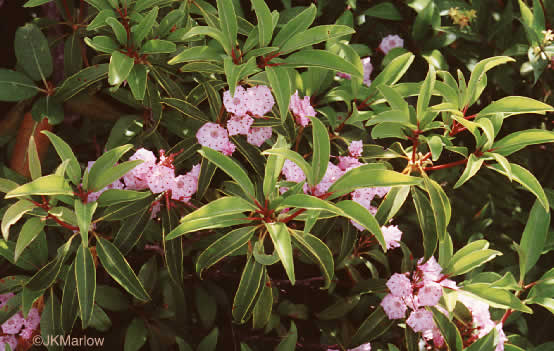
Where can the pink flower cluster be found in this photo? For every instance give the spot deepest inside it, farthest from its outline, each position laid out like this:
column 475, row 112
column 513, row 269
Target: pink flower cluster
column 17, row 325
column 157, row 176
column 363, row 347
column 301, row 109
column 243, row 106
column 368, row 69
column 390, row 42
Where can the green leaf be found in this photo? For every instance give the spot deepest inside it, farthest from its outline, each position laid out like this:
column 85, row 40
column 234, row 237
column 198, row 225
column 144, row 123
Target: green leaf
column 314, row 36
column 119, row 269
column 102, row 165
column 279, row 80
column 50, row 322
column 70, row 301
column 426, row 222
column 339, row 308
column 111, row 298
column 209, row 343
column 317, row 251
column 525, row 178
column 251, row 283
column 281, row 241
column 158, row 46
column 30, row 230
column 289, row 341
column 136, row 335
column 48, row 185
column 145, row 26
column 120, row 68
column 440, row 205
column 296, row 158
column 111, row 174
column 223, row 212
column 65, row 153
column 137, row 81
column 426, row 92
column 7, row 185
column 34, row 3
column 385, row 11
column 46, row 276
column 515, row 105
column 85, row 276
column 322, row 149
column 470, row 257
column 358, row 213
column 73, row 58
column 273, row 168
column 393, row 71
column 78, row 82
column 367, row 176
column 186, row 108
column 473, row 165
column 223, row 247
column 534, row 236
column 448, row 330
column 228, row 18
column 322, row 59
column 119, row 30
column 518, row 140
column 84, row 217
column 435, row 145
column 48, row 107
column 32, row 52
column 132, row 229
column 235, row 73
column 265, row 22
column 262, row 311
column 392, row 203
column 15, row 86
column 376, row 324
column 298, row 24
column 14, row 214
column 472, row 92
column 99, row 20
column 197, row 53
column 231, row 167
column 495, row 297
column 484, row 343
column 207, row 31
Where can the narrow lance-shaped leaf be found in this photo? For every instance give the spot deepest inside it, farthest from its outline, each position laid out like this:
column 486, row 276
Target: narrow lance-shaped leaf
column 84, row 214
column 30, row 230
column 250, row 284
column 48, row 185
column 296, row 158
column 228, row 18
column 64, row 151
column 85, row 276
column 32, row 52
column 120, row 68
column 273, row 168
column 265, row 21
column 315, row 249
column 281, row 241
column 534, row 236
column 322, row 149
column 514, row 105
column 34, row 161
column 14, row 214
column 425, row 92
column 280, row 83
column 15, row 86
column 322, row 59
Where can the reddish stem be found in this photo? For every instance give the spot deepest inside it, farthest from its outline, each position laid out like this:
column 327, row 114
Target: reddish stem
column 67, row 12
column 446, row 165
column 62, row 223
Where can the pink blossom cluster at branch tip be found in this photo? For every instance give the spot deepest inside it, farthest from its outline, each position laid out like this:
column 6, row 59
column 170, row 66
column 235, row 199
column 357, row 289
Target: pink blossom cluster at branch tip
column 390, row 42
column 243, row 105
column 17, row 325
column 155, row 176
column 367, row 68
column 301, row 109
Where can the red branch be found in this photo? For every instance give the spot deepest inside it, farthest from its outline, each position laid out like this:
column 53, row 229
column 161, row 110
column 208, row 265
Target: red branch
column 446, row 165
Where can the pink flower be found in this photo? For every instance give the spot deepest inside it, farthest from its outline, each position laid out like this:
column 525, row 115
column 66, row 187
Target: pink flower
column 347, row 163
column 301, row 109
column 135, row 179
column 392, row 236
column 195, row 171
column 156, row 207
column 429, row 294
column 399, row 285
column 160, row 179
column 14, row 324
column 239, row 125
column 363, row 196
column 8, row 339
column 259, row 100
column 364, row 347
column 5, row 297
column 332, row 174
column 421, row 320
column 394, row 306
column 501, row 338
column 390, row 42
column 368, row 68
column 183, row 187
column 292, row 172
column 430, row 270
column 215, row 137
column 258, row 135
column 356, row 148
column 238, row 103
column 33, row 319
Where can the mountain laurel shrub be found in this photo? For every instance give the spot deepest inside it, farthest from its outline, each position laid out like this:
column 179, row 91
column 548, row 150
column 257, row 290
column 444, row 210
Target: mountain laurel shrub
column 291, row 177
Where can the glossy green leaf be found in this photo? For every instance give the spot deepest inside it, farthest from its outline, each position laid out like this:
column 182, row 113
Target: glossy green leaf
column 318, row 252
column 385, row 11
column 70, row 301
column 472, row 93
column 223, row 247
column 448, row 329
column 46, row 276
column 263, row 308
column 136, row 335
column 495, row 297
column 322, row 149
column 131, row 230
column 470, row 257
column 197, row 53
column 534, row 236
column 73, row 57
column 393, row 71
column 251, row 283
column 145, row 26
column 137, row 81
column 209, row 343
column 321, row 59
column 376, row 324
column 297, row 24
column 265, row 22
column 13, row 214
column 228, row 18
column 484, row 343
column 289, row 341
column 48, row 107
column 280, row 83
column 73, row 85
column 84, row 217
column 33, row 3
column 518, row 140
column 440, row 205
column 158, row 46
column 120, row 68
column 15, row 86
column 48, row 185
column 99, row 20
column 65, row 153
column 85, row 276
column 102, row 43
column 426, row 222
column 207, row 31
column 296, row 158
column 111, row 174
column 282, row 242
column 314, row 35
column 102, row 165
column 223, row 212
column 369, row 175
column 392, row 203
column 358, row 213
column 515, row 105
column 118, row 29
column 235, row 72
column 473, row 165
column 30, row 230
column 32, row 52
column 425, row 92
column 50, row 321
column 119, row 269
